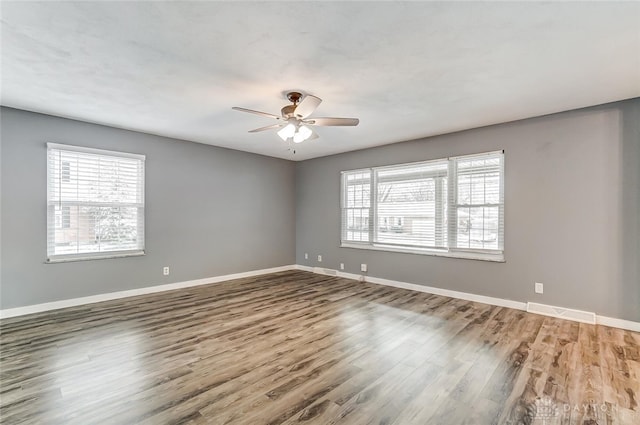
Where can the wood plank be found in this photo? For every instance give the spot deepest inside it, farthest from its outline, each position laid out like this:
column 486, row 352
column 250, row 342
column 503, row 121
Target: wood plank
column 295, row 347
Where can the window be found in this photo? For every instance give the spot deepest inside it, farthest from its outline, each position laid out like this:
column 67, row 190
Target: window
column 410, row 204
column 65, row 171
column 63, row 218
column 450, row 207
column 95, row 203
column 356, row 200
column 477, row 205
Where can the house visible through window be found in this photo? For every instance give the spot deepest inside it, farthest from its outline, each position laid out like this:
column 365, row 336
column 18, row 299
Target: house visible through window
column 95, row 203
column 453, row 206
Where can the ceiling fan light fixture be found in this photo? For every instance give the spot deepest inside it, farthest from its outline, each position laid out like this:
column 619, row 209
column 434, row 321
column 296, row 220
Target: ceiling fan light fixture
column 302, row 134
column 288, row 131
column 295, row 121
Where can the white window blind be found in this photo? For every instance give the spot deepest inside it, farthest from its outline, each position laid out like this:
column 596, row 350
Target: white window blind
column 477, row 205
column 95, row 203
column 410, row 207
column 452, row 205
column 356, row 206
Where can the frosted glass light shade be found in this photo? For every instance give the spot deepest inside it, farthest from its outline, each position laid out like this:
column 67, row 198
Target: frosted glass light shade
column 303, row 134
column 288, row 131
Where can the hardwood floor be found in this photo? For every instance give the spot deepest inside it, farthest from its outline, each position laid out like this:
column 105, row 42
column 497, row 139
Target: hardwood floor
column 295, row 347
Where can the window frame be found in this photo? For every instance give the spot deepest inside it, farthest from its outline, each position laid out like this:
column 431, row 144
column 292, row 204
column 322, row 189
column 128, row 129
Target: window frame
column 449, row 214
column 344, row 208
column 454, row 205
column 375, row 176
column 65, row 177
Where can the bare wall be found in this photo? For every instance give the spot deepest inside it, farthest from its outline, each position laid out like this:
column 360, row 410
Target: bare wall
column 572, row 211
column 209, row 211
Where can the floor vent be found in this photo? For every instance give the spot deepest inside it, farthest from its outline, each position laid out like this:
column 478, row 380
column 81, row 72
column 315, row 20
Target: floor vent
column 328, row 272
column 562, row 313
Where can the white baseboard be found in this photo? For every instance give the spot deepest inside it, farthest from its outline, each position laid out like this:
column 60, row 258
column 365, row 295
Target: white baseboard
column 419, row 288
column 449, row 293
column 618, row 323
column 328, row 272
column 55, row 305
column 552, row 311
column 562, row 313
column 351, row 276
column 303, row 268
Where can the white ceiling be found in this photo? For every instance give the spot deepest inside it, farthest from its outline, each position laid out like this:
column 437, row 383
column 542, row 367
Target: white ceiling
column 407, row 70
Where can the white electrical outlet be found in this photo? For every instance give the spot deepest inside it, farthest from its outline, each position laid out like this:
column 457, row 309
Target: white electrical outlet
column 319, row 258
column 363, row 267
column 165, row 271
column 341, row 266
column 539, row 288
column 306, row 255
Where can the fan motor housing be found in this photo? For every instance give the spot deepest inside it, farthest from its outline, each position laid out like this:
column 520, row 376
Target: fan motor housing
column 288, row 111
column 293, row 97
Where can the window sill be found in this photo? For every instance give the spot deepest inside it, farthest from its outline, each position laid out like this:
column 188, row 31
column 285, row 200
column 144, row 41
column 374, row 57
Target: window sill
column 98, row 256
column 468, row 255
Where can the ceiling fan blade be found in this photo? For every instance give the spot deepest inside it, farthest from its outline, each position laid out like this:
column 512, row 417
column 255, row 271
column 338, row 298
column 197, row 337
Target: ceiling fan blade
column 251, row 111
column 333, row 121
column 268, row 127
column 307, row 106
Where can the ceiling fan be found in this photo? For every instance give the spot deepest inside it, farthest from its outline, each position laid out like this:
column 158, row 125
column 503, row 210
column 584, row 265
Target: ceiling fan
column 294, row 121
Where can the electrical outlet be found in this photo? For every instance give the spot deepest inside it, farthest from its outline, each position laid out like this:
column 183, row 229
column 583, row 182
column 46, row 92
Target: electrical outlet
column 539, row 288
column 363, row 267
column 306, row 255
column 341, row 266
column 319, row 258
column 165, row 271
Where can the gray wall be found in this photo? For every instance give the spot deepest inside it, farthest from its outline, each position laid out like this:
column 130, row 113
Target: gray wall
column 572, row 211
column 209, row 212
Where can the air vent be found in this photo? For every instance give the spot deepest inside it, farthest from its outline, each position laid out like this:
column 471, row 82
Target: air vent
column 328, row 272
column 562, row 313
